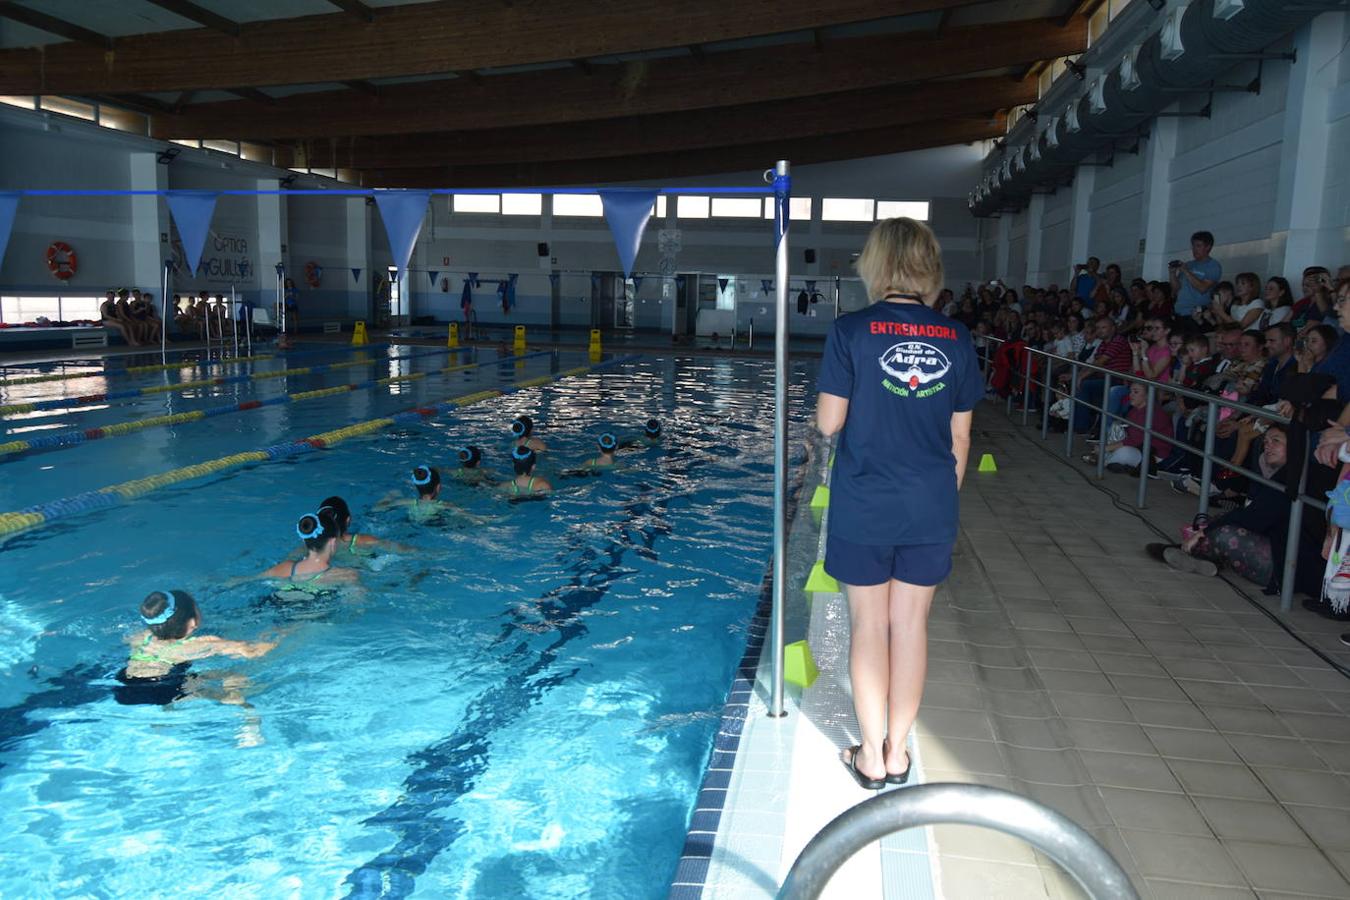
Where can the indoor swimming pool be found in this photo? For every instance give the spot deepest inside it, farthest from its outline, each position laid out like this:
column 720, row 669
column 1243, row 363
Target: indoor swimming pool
column 522, row 704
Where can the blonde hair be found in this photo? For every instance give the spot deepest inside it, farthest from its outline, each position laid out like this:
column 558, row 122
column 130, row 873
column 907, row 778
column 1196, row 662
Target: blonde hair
column 904, row 256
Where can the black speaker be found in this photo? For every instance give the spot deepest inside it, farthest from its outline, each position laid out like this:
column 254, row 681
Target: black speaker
column 543, row 248
column 810, row 255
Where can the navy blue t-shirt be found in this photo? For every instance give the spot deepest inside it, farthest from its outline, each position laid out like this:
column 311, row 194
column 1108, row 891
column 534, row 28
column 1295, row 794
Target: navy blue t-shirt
column 904, row 369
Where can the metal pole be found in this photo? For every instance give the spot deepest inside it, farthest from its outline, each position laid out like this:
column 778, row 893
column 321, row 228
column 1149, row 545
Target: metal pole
column 1207, row 464
column 1148, row 446
column 1106, row 426
column 163, row 316
column 782, row 185
column 1054, row 834
column 836, row 296
column 1045, row 395
column 234, row 318
column 1026, row 389
column 1073, row 408
column 1291, row 544
column 281, row 302
column 248, row 331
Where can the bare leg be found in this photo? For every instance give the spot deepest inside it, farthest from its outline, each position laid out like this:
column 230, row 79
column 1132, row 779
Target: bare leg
column 909, row 605
column 868, row 668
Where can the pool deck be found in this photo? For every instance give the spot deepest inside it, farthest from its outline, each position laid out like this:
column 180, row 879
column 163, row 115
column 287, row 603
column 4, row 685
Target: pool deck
column 1206, row 747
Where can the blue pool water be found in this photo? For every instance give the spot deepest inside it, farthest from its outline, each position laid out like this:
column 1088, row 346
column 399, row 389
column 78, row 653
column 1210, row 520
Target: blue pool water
column 522, row 708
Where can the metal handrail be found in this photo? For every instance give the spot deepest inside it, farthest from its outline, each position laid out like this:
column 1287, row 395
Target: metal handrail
column 1207, row 455
column 1050, row 832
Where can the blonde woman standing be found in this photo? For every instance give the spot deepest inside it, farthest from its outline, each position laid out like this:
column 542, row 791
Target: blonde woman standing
column 898, row 383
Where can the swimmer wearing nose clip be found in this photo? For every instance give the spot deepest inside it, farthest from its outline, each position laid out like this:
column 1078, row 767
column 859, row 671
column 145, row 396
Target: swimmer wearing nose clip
column 427, row 508
column 470, row 469
column 651, row 436
column 522, row 429
column 526, row 483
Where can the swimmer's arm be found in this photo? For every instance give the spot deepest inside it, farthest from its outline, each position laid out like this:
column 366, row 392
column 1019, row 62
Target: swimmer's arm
column 960, row 442
column 389, row 501
column 831, row 411
column 367, row 540
column 213, row 646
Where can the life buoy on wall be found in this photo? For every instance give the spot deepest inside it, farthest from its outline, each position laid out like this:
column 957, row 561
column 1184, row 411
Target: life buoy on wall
column 61, row 260
column 313, row 273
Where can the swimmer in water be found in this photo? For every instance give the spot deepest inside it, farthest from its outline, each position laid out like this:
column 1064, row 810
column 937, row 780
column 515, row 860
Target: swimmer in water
column 314, row 576
column 427, row 508
column 157, row 668
column 353, row 549
column 526, row 484
column 651, row 436
column 470, row 469
column 608, row 444
column 523, row 428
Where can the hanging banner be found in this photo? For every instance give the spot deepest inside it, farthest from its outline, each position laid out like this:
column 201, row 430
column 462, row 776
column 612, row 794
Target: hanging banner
column 433, row 276
column 679, row 281
column 402, row 212
column 192, row 211
column 554, row 278
column 722, row 284
column 356, row 275
column 473, row 279
column 766, row 284
column 627, row 212
column 9, row 205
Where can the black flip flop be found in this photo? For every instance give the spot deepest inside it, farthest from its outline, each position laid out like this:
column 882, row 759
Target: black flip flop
column 867, row 784
column 903, row 777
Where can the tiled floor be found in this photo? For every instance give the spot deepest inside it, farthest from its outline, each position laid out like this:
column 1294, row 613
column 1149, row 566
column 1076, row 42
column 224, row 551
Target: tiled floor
column 1192, row 735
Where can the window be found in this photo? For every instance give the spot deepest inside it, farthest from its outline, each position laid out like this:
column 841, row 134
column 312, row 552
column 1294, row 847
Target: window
column 661, row 206
column 229, row 147
column 17, row 310
column 122, row 120
column 1117, row 6
column 736, row 207
column 256, row 153
column 844, row 209
column 1097, row 22
column 69, row 108
column 578, row 205
column 910, row 209
column 23, row 102
column 1044, row 81
column 522, row 204
column 477, row 203
column 799, row 208
column 197, row 144
column 325, row 173
column 73, row 308
column 691, row 207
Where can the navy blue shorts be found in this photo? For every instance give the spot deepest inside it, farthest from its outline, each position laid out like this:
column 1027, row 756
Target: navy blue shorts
column 863, row 565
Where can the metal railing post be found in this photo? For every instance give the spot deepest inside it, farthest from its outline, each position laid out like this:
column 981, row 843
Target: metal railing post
column 234, row 318
column 782, row 184
column 1207, row 464
column 1073, row 407
column 164, row 316
column 1051, row 832
column 1291, row 544
column 1026, row 389
column 1045, row 396
column 1148, row 446
column 1106, row 425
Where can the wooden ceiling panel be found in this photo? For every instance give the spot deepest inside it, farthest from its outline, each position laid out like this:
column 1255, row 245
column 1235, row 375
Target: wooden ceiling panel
column 851, row 145
column 820, row 116
column 417, row 39
column 643, row 88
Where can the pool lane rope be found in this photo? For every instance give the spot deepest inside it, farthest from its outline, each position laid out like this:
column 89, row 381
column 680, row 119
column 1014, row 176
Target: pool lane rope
column 181, row 364
column 180, row 386
column 62, row 439
column 116, row 494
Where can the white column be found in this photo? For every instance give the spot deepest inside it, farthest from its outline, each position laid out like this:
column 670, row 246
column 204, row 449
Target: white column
column 271, row 242
column 1080, row 220
column 1035, row 213
column 1161, row 147
column 1001, row 246
column 1304, row 159
column 149, row 222
column 358, row 240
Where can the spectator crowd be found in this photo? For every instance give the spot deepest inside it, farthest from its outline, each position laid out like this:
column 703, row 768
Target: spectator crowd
column 1242, row 340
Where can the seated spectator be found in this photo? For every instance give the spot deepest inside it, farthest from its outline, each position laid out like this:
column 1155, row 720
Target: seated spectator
column 1160, row 300
column 1245, row 374
column 1126, row 454
column 1279, row 303
column 1113, row 353
column 1153, row 355
column 1220, row 309
column 111, row 313
column 1248, row 307
column 1337, row 362
column 1316, row 344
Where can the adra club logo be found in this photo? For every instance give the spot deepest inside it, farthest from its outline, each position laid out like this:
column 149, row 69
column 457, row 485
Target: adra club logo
column 914, row 364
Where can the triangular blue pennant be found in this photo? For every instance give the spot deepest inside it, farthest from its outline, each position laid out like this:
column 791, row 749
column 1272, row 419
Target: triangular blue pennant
column 627, row 211
column 766, row 284
column 433, row 276
column 473, row 279
column 722, row 283
column 810, row 287
column 356, row 275
column 554, row 277
column 595, row 280
column 192, row 211
column 9, row 205
column 403, row 212
column 679, row 281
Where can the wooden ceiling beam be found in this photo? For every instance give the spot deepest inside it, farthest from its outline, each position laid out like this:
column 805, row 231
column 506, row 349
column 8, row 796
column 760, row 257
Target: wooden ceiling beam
column 59, row 27
column 204, row 17
column 651, row 87
column 415, row 39
column 784, row 120
column 849, row 145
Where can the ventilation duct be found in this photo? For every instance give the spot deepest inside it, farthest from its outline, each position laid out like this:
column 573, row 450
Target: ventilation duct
column 1193, row 48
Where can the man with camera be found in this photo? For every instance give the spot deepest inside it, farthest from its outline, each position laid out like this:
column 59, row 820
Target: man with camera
column 1193, row 282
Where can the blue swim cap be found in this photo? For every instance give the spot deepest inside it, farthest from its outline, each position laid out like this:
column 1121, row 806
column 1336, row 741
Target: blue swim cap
column 166, row 614
column 653, row 427
column 310, row 526
column 608, row 441
column 522, row 453
column 422, row 475
column 470, row 456
column 522, row 426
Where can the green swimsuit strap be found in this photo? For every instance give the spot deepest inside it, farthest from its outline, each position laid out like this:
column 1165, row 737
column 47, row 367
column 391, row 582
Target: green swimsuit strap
column 351, row 548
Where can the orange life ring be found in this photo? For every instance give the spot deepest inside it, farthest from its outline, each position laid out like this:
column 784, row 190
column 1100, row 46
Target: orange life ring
column 61, row 260
column 313, row 273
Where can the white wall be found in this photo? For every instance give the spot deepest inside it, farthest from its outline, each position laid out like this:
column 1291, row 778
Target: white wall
column 1274, row 208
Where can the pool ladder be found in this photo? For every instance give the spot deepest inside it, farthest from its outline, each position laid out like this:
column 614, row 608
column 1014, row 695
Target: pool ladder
column 957, row 804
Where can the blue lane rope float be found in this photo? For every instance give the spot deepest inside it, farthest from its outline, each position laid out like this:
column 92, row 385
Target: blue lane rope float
column 177, row 387
column 116, row 494
column 62, row 439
